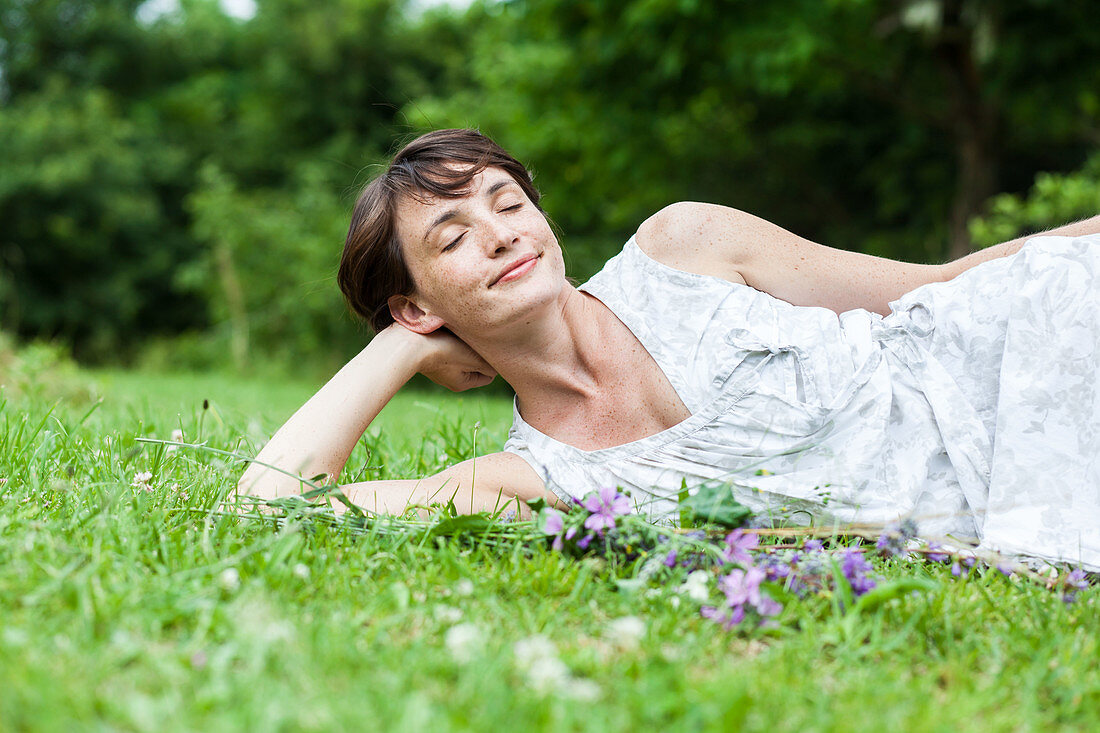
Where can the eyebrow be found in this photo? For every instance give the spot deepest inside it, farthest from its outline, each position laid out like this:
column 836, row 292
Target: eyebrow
column 452, row 213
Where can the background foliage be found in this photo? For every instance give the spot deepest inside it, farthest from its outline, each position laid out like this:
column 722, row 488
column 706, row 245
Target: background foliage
column 175, row 187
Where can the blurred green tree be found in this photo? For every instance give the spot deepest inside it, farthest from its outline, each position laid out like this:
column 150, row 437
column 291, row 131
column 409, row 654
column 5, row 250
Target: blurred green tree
column 268, row 267
column 84, row 249
column 106, row 120
column 1056, row 198
column 92, row 183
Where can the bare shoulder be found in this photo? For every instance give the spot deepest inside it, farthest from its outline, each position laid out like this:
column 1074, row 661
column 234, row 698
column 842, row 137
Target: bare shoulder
column 698, row 237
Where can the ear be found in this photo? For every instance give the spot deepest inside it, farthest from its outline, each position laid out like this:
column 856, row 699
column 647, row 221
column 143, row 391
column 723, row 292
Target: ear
column 412, row 316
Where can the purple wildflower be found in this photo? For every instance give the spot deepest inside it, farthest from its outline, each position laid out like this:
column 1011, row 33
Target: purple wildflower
column 893, row 538
column 561, row 539
column 813, row 546
column 775, row 568
column 743, row 587
column 888, row 544
column 738, row 544
column 729, row 620
column 670, row 559
column 961, row 568
column 1005, row 567
column 855, row 568
column 934, row 553
column 1074, row 581
column 552, row 521
column 769, row 606
column 605, row 506
column 585, row 541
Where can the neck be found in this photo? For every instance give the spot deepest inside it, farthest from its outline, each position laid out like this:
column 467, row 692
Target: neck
column 561, row 355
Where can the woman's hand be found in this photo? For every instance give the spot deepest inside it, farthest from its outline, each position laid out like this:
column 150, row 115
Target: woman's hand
column 449, row 362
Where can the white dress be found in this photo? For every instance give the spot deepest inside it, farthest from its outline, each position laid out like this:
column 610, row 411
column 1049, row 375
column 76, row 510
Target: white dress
column 973, row 408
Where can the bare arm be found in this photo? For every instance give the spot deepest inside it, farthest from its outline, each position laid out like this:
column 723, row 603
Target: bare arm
column 320, row 436
column 1076, row 229
column 740, row 247
column 498, row 481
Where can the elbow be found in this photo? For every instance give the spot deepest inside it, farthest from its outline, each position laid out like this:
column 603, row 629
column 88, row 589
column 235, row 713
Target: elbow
column 263, row 482
column 257, row 481
column 249, row 480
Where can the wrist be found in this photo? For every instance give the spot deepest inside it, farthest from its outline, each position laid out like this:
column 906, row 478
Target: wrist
column 405, row 347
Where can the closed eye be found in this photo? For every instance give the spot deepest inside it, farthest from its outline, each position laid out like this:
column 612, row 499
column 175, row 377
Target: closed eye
column 513, row 207
column 454, row 243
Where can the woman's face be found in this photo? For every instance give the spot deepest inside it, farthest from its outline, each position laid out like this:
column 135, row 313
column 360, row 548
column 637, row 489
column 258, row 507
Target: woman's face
column 480, row 262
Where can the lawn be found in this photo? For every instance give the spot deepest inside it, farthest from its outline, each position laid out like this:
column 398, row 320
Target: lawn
column 134, row 602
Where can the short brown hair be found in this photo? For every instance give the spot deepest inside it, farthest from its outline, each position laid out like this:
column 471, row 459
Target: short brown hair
column 372, row 266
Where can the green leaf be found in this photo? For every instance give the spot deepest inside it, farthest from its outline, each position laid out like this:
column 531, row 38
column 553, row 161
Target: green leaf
column 462, row 524
column 685, row 514
column 884, row 592
column 714, row 504
column 537, row 505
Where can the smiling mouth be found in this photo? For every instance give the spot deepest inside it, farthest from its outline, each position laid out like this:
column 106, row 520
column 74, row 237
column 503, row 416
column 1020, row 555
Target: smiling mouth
column 517, row 270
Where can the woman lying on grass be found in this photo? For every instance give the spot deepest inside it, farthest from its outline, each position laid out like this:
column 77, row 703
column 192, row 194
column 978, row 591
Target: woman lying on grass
column 719, row 347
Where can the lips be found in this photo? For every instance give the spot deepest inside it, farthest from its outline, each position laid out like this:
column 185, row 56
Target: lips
column 516, row 268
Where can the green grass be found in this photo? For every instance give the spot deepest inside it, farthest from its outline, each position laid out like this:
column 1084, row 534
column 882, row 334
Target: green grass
column 132, row 609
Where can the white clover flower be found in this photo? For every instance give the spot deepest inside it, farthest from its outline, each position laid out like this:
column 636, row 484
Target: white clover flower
column 537, row 658
column 301, row 571
column 625, row 632
column 547, row 675
column 464, row 587
column 580, row 689
column 530, row 650
column 697, row 586
column 141, row 480
column 177, row 436
column 229, row 580
column 464, row 641
column 275, row 632
column 447, row 614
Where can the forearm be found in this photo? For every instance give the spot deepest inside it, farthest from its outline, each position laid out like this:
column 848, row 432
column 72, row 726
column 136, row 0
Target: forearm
column 1076, row 229
column 395, row 496
column 320, row 436
column 492, row 483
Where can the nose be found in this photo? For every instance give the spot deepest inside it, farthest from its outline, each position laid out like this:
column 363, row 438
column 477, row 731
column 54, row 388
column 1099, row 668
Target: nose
column 501, row 237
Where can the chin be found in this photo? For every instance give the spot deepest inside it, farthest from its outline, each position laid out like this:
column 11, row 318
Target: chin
column 538, row 300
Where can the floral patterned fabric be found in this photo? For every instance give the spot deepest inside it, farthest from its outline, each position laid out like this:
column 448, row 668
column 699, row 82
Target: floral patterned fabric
column 973, row 407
